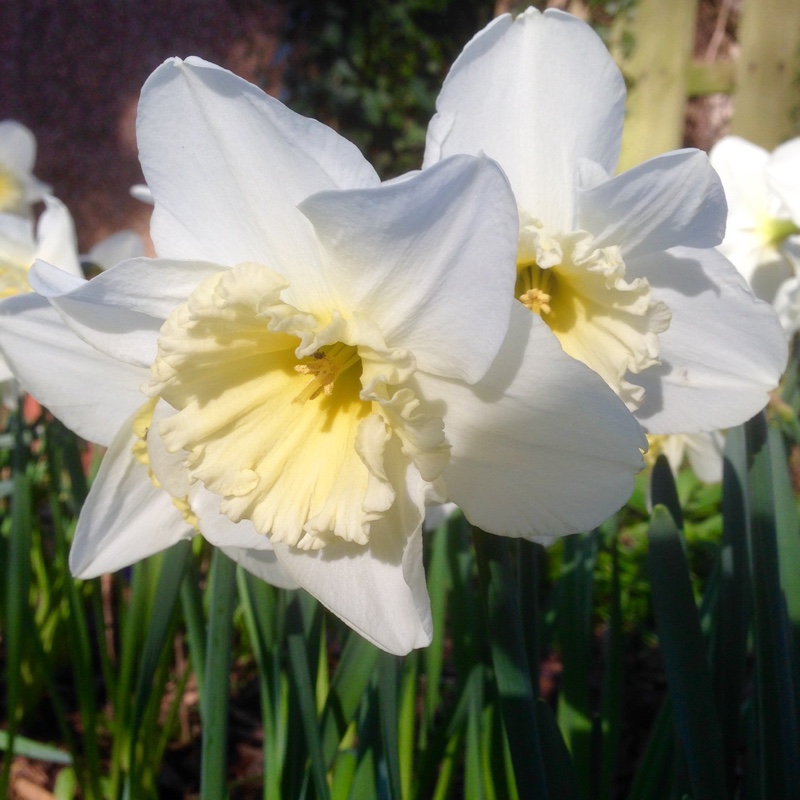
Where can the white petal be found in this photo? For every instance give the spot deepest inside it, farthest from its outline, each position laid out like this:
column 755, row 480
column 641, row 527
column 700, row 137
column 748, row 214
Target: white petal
column 218, row 529
column 787, row 306
column 536, row 94
column 541, row 447
column 431, row 259
column 90, row 392
column 17, row 146
column 17, row 155
column 121, row 311
column 57, row 242
column 227, row 165
column 741, row 166
column 120, row 246
column 754, row 259
column 168, row 467
column 705, row 451
column 783, row 175
column 724, row 350
column 263, row 564
column 673, row 199
column 376, row 590
column 125, row 517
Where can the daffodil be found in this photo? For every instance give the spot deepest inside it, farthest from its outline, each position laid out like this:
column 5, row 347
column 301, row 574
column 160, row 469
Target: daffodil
column 19, row 189
column 21, row 242
column 762, row 237
column 621, row 269
column 703, row 452
column 321, row 356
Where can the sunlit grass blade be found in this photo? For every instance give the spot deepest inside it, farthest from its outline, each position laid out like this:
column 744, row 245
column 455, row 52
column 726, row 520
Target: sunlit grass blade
column 574, row 628
column 388, row 698
column 215, row 700
column 778, row 740
column 684, row 652
column 499, row 770
column 732, row 614
column 510, row 661
column 148, row 690
column 368, row 782
column 407, row 713
column 612, row 682
column 195, row 620
column 438, row 762
column 304, row 685
column 17, row 610
column 63, row 458
column 350, row 681
column 263, row 606
column 562, row 778
column 473, row 760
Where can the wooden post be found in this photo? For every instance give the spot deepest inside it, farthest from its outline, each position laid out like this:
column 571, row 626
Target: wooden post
column 767, row 99
column 657, row 70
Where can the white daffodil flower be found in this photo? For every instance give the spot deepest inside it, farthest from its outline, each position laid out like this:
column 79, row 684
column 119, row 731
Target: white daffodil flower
column 703, row 451
column 762, row 237
column 19, row 190
column 322, row 356
column 52, row 239
column 622, row 269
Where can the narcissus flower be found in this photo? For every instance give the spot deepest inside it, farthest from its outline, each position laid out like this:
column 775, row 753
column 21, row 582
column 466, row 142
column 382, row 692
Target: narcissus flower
column 322, row 356
column 18, row 187
column 52, row 238
column 622, row 269
column 703, row 452
column 762, row 237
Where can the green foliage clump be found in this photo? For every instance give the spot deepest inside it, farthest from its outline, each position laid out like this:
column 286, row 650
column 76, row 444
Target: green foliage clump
column 372, row 70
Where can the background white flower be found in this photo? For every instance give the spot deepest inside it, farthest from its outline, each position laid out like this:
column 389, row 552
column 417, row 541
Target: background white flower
column 53, row 239
column 19, row 189
column 762, row 237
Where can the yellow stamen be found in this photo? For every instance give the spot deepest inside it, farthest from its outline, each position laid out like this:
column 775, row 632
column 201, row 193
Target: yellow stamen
column 535, row 288
column 325, row 365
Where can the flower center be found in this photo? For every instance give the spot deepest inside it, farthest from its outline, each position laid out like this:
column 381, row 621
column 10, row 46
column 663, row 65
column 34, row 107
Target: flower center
column 535, row 288
column 282, row 415
column 325, row 365
column 775, row 231
column 580, row 291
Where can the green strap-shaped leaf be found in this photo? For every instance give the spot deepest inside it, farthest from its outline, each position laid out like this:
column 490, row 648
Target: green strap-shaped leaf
column 173, row 568
column 664, row 492
column 215, row 701
column 731, row 617
column 349, row 683
column 776, row 706
column 304, row 685
column 684, row 651
column 509, row 657
column 388, row 698
column 574, row 627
